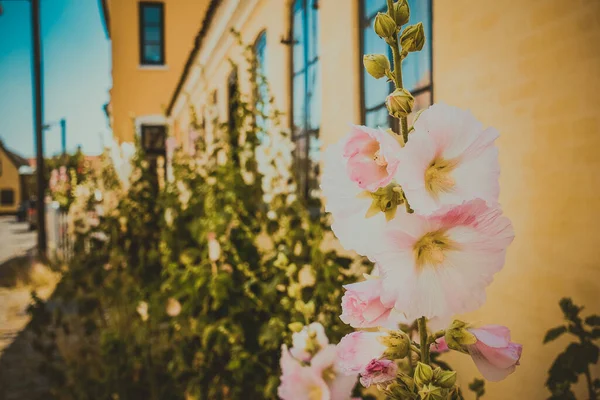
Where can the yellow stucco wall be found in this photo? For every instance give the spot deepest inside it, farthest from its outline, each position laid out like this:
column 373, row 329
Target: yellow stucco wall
column 145, row 90
column 9, row 179
column 530, row 69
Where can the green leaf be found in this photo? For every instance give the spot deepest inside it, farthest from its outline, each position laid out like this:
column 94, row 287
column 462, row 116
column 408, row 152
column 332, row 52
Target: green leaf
column 593, row 320
column 554, row 333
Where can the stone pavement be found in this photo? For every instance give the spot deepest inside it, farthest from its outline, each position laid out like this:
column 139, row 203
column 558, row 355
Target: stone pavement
column 19, row 275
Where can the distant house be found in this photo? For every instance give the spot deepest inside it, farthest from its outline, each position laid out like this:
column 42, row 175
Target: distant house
column 14, row 171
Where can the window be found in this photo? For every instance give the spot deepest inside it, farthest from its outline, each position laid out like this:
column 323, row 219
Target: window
column 7, row 197
column 152, row 33
column 416, row 68
column 306, row 95
column 262, row 89
column 153, row 139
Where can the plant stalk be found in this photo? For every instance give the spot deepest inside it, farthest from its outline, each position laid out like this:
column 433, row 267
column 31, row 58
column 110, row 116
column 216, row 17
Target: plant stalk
column 394, row 43
column 423, row 338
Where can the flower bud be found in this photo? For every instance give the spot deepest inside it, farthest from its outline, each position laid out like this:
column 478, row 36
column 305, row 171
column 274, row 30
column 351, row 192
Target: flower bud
column 423, row 374
column 431, row 392
column 413, row 38
column 457, row 336
column 397, row 343
column 401, row 12
column 384, row 26
column 377, row 65
column 400, row 103
column 445, row 379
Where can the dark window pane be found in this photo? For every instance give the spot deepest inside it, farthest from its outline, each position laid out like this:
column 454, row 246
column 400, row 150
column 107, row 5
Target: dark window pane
column 152, row 53
column 7, row 197
column 314, row 97
column 313, row 33
column 152, row 14
column 378, row 118
column 299, row 98
column 153, row 138
column 374, row 6
column 152, row 34
column 417, row 66
column 299, row 41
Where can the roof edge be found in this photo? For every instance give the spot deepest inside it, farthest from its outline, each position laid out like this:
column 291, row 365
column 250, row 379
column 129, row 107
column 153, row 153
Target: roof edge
column 210, row 13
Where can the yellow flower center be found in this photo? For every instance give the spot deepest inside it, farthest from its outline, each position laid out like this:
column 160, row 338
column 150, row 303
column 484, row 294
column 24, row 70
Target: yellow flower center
column 431, row 248
column 438, row 178
column 315, row 393
column 380, row 159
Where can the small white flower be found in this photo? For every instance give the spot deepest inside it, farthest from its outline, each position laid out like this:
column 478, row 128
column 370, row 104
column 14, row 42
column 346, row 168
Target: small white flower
column 142, row 310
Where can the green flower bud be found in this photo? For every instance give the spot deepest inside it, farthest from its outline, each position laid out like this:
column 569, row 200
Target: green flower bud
column 397, row 343
column 401, row 12
column 400, row 103
column 457, row 336
column 413, row 38
column 385, row 26
column 377, row 65
column 295, row 326
column 431, row 392
column 445, row 379
column 423, row 374
column 398, row 391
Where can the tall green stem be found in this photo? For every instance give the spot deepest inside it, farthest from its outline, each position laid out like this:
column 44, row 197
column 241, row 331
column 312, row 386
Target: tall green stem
column 423, row 338
column 394, row 43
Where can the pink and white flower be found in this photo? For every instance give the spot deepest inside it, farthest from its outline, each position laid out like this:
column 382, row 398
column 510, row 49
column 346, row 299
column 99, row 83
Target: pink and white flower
column 314, row 331
column 449, row 159
column 494, row 354
column 371, row 157
column 362, row 306
column 318, row 381
column 357, row 349
column 347, row 203
column 440, row 265
column 378, row 371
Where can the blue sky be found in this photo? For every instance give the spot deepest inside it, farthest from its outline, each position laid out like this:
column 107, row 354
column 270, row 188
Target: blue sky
column 76, row 56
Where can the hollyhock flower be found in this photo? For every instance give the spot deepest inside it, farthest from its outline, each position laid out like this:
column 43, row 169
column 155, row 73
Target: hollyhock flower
column 494, row 354
column 306, row 276
column 439, row 346
column 214, row 248
column 308, row 341
column 319, row 381
column 121, row 157
column 347, row 203
column 173, row 307
column 378, row 371
column 142, row 310
column 362, row 306
column 449, row 159
column 300, row 382
column 356, row 350
column 371, row 157
column 440, row 265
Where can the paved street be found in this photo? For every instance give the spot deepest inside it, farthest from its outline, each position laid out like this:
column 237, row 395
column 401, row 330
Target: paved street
column 19, row 275
column 15, row 238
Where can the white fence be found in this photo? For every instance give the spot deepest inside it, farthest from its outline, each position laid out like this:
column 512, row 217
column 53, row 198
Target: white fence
column 60, row 241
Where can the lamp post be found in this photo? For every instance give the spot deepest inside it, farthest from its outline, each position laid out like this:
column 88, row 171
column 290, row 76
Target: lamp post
column 63, row 133
column 38, row 118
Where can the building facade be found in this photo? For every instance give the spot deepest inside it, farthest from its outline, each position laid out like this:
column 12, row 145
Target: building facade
column 150, row 41
column 530, row 69
column 512, row 66
column 13, row 185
